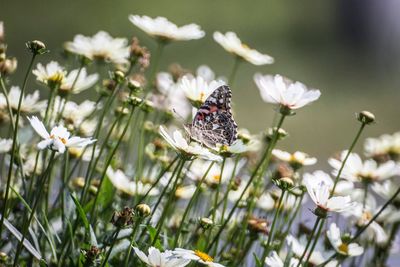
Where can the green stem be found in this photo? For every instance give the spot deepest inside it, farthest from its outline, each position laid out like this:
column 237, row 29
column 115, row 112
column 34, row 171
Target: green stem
column 346, row 157
column 156, row 61
column 309, row 240
column 321, row 225
column 139, row 221
column 264, row 161
column 234, row 71
column 33, row 209
column 267, row 248
column 105, row 261
column 190, row 204
column 14, row 144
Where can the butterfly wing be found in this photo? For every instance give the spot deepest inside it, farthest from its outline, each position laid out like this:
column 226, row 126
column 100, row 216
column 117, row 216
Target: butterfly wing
column 213, row 123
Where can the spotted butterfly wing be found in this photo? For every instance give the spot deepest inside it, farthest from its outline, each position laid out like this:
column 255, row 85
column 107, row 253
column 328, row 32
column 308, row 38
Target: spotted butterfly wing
column 213, row 123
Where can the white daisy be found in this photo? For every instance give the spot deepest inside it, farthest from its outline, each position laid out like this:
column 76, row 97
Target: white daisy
column 197, row 89
column 5, row 145
column 319, row 193
column 297, row 158
column 180, row 144
column 51, row 74
column 239, row 146
column 83, row 82
column 164, row 29
column 160, row 259
column 369, row 170
column 352, row 249
column 383, row 145
column 198, row 256
column 59, row 137
column 231, row 43
column 100, row 46
column 185, row 192
column 128, row 186
column 279, row 90
column 342, row 187
column 273, row 260
column 386, row 189
column 30, row 102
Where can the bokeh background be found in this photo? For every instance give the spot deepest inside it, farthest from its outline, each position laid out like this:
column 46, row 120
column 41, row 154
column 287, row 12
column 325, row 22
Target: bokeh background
column 349, row 49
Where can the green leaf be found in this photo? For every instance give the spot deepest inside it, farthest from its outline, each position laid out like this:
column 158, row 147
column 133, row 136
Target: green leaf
column 258, row 262
column 26, row 243
column 81, row 212
column 152, row 232
column 93, row 239
column 106, row 194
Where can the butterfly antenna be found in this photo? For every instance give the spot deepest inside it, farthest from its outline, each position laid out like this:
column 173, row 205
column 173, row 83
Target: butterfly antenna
column 178, row 116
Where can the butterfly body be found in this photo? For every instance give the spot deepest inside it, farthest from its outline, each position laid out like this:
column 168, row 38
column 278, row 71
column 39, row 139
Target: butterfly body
column 213, row 123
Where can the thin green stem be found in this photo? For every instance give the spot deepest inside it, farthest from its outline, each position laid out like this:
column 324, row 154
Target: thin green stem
column 34, row 207
column 309, row 240
column 271, row 233
column 190, row 204
column 105, row 261
column 321, row 225
column 235, row 68
column 156, row 60
column 138, row 222
column 14, row 144
column 346, row 157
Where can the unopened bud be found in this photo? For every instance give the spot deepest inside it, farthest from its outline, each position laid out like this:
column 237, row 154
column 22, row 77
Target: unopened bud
column 143, row 210
column 147, row 106
column 8, row 66
column 206, row 223
column 118, row 76
column 3, row 256
column 365, row 117
column 37, row 47
column 284, row 183
column 122, row 218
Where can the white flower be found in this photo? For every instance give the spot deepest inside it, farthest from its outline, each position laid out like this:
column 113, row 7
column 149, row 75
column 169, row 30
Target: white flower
column 206, row 72
column 84, row 153
column 59, row 137
column 265, row 202
column 171, row 98
column 384, row 145
column 100, row 46
column 163, row 29
column 319, row 193
column 185, row 192
column 51, row 73
column 231, row 43
column 273, row 260
column 279, row 90
column 357, row 170
column 197, row 89
column 297, row 158
column 124, row 184
column 352, row 249
column 30, row 102
column 5, row 145
column 160, row 259
column 181, row 145
column 75, row 113
column 198, row 256
column 342, row 187
column 386, row 189
column 83, row 82
column 239, row 146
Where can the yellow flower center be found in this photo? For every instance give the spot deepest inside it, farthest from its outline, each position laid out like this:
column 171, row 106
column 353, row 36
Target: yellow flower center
column 217, row 177
column 57, row 77
column 63, row 140
column 367, row 216
column 202, row 95
column 343, row 248
column 245, row 46
column 203, row 256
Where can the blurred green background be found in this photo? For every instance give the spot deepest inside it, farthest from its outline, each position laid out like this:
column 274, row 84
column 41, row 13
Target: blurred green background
column 347, row 49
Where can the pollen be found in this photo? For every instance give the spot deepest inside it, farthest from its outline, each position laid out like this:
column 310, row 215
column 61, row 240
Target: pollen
column 343, row 248
column 202, row 95
column 203, row 256
column 63, row 140
column 217, row 177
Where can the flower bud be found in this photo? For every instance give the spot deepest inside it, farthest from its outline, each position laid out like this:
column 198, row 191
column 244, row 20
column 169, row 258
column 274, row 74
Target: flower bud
column 365, row 117
column 135, row 101
column 206, row 223
column 284, row 183
column 121, row 111
column 321, row 212
column 8, row 66
column 37, row 47
column 271, row 132
column 136, row 83
column 143, row 210
column 3, row 256
column 147, row 106
column 118, row 76
column 91, row 254
column 122, row 218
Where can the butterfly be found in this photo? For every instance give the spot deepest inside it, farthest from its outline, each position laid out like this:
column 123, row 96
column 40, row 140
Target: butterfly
column 213, row 123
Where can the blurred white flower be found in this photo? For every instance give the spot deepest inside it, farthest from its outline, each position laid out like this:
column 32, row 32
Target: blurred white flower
column 342, row 187
column 51, row 74
column 171, row 98
column 239, row 146
column 297, row 158
column 385, row 145
column 5, row 145
column 128, row 186
column 197, row 89
column 75, row 113
column 164, row 29
column 160, row 259
column 273, row 260
column 101, row 46
column 59, row 137
column 280, row 90
column 231, row 43
column 319, row 193
column 185, row 192
column 386, row 189
column 266, row 202
column 179, row 143
column 84, row 153
column 198, row 256
column 352, row 249
column 30, row 102
column 206, row 72
column 369, row 170
column 83, row 82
